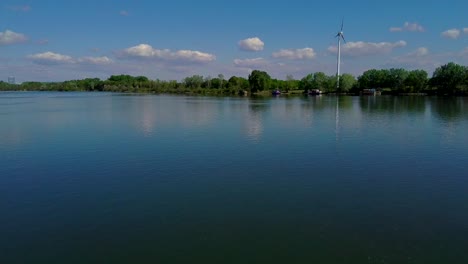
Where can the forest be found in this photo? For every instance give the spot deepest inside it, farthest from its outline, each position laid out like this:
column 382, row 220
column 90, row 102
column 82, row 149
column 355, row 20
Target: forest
column 448, row 79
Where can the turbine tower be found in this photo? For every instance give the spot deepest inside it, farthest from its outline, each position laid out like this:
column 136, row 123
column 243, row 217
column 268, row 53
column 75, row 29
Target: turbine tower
column 339, row 36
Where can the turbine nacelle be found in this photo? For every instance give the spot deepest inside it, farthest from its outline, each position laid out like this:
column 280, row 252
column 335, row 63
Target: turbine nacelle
column 340, row 35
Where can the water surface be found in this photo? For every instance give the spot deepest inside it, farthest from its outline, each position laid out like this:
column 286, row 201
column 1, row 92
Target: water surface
column 112, row 178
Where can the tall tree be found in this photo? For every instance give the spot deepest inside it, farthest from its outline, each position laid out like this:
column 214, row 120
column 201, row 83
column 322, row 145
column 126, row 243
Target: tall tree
column 416, row 81
column 396, row 79
column 449, row 77
column 259, row 81
column 307, row 83
column 347, row 81
column 221, row 79
column 194, row 81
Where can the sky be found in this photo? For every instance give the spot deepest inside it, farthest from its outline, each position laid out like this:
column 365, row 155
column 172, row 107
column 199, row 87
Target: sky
column 57, row 40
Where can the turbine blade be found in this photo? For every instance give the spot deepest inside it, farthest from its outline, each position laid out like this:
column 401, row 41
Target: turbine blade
column 342, row 36
column 342, row 22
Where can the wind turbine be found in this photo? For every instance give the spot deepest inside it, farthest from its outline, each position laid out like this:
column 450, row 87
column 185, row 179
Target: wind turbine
column 339, row 36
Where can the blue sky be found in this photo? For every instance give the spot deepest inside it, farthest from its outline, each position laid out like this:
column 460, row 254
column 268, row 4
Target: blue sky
column 59, row 40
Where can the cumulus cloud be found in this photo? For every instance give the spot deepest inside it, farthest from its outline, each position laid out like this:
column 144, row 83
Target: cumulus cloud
column 250, row 63
column 295, row 54
column 143, row 51
column 361, row 48
column 9, row 37
column 413, row 56
column 465, row 30
column 95, row 60
column 251, row 44
column 414, row 27
column 451, row 33
column 420, row 52
column 49, row 58
column 421, row 58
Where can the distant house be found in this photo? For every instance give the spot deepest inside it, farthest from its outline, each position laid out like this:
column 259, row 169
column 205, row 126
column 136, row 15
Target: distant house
column 370, row 92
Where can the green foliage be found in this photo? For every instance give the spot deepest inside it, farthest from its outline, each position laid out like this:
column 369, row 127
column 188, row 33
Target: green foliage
column 347, row 82
column 4, row 86
column 397, row 80
column 259, row 81
column 307, row 83
column 416, row 81
column 193, row 82
column 238, row 83
column 450, row 78
column 447, row 79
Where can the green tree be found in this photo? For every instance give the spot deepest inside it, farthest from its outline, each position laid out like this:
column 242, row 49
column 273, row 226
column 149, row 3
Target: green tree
column 321, row 81
column 449, row 78
column 259, row 81
column 221, row 79
column 194, row 81
column 374, row 79
column 238, row 83
column 395, row 79
column 307, row 83
column 347, row 81
column 416, row 81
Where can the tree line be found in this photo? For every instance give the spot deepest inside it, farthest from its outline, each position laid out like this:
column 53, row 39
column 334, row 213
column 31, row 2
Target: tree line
column 451, row 79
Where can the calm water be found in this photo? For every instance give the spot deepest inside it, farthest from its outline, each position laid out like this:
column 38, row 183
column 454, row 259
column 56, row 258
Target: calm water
column 109, row 178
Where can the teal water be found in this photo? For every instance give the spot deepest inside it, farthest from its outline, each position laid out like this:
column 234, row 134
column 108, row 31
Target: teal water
column 112, row 178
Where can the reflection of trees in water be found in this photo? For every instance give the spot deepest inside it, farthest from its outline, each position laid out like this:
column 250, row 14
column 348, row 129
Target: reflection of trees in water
column 148, row 117
column 449, row 108
column 254, row 120
column 199, row 111
column 393, row 104
column 326, row 102
column 345, row 102
column 259, row 104
column 450, row 111
column 311, row 104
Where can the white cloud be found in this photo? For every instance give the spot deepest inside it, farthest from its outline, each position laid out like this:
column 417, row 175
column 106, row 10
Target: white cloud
column 451, row 33
column 413, row 57
column 142, row 50
column 251, row 44
column 124, row 13
column 414, row 27
column 49, row 58
column 148, row 52
column 423, row 51
column 95, row 60
column 465, row 30
column 361, row 48
column 9, row 37
column 250, row 63
column 422, row 58
column 295, row 54
column 192, row 55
